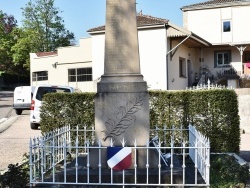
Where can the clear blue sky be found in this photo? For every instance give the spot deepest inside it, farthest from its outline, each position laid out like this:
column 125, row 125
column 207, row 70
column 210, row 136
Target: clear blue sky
column 81, row 15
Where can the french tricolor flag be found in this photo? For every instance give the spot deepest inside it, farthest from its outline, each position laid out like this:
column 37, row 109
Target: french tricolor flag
column 119, row 158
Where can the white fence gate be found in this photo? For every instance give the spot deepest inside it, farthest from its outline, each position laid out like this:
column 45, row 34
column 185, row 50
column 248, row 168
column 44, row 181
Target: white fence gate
column 182, row 157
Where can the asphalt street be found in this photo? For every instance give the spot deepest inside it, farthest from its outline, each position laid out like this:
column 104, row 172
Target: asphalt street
column 6, row 110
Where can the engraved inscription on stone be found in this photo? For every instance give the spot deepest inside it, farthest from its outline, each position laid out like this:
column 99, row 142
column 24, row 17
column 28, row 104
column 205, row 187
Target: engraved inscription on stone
column 123, row 117
column 122, row 87
column 121, row 38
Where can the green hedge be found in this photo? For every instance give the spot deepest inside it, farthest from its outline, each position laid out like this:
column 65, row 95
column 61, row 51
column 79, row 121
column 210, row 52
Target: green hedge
column 213, row 112
column 60, row 109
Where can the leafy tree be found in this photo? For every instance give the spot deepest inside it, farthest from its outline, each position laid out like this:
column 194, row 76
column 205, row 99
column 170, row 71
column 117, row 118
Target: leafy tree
column 44, row 27
column 7, row 23
column 23, row 46
column 7, row 40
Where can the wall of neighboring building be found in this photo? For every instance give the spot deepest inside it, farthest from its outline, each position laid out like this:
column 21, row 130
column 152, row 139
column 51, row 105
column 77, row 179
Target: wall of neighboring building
column 198, row 23
column 66, row 58
column 177, row 82
column 208, row 55
column 244, row 108
column 152, row 49
column 207, row 24
column 98, row 45
column 38, row 64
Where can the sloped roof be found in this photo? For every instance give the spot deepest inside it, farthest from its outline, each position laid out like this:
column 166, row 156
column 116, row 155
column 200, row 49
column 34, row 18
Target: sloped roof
column 142, row 21
column 215, row 3
column 174, row 31
column 42, row 54
column 179, row 34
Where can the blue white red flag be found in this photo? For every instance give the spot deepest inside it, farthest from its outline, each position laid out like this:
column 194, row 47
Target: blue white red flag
column 119, row 158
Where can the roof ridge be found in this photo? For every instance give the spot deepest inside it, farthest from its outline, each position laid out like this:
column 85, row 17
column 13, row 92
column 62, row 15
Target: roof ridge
column 213, row 2
column 142, row 20
column 151, row 17
column 41, row 54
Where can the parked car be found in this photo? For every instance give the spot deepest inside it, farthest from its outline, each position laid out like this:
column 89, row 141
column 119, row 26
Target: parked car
column 37, row 101
column 22, row 98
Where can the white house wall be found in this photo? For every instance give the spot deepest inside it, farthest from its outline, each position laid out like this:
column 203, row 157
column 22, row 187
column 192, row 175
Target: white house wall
column 76, row 54
column 241, row 24
column 208, row 57
column 98, row 45
column 207, row 24
column 175, row 81
column 67, row 58
column 152, row 49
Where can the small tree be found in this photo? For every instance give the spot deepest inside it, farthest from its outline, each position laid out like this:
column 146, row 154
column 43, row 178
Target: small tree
column 7, row 40
column 43, row 30
column 45, row 26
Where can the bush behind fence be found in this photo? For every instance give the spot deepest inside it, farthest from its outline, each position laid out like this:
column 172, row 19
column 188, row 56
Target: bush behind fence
column 213, row 112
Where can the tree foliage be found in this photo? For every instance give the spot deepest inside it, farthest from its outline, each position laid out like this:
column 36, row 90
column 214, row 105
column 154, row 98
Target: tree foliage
column 7, row 40
column 44, row 26
column 42, row 30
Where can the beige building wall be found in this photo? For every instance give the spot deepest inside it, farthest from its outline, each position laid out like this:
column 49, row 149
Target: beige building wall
column 207, row 24
column 177, row 82
column 58, row 65
column 152, row 49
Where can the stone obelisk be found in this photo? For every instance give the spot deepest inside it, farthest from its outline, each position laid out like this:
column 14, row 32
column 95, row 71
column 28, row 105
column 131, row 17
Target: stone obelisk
column 122, row 99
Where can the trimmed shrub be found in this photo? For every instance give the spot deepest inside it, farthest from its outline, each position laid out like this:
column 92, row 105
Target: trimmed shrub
column 213, row 112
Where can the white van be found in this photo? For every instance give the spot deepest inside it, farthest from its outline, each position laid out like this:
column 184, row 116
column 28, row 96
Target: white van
column 22, row 98
column 37, row 101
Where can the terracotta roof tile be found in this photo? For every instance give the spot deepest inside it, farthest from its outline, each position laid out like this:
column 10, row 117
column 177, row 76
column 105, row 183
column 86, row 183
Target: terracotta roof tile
column 41, row 54
column 142, row 20
column 213, row 2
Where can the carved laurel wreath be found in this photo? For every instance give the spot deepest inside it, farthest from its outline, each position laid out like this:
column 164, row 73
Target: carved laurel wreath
column 123, row 117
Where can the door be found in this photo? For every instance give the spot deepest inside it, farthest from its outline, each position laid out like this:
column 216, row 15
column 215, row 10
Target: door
column 189, row 73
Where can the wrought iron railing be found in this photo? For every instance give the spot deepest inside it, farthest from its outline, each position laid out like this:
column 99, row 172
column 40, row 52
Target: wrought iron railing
column 59, row 157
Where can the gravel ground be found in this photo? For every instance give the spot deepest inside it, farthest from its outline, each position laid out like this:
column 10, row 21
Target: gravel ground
column 14, row 142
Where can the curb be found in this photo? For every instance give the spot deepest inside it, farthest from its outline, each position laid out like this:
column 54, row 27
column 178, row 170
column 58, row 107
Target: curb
column 7, row 123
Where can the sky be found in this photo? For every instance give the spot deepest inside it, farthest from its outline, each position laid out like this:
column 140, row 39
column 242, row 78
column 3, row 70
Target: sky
column 82, row 15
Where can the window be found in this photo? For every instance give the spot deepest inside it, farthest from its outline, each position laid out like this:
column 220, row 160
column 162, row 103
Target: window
column 246, row 56
column 226, row 26
column 80, row 75
column 40, row 76
column 222, row 58
column 182, row 67
column 42, row 90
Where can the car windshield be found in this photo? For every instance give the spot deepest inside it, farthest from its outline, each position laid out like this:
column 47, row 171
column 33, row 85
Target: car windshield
column 43, row 90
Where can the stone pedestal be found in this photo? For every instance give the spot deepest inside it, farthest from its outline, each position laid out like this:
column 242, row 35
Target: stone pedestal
column 122, row 113
column 122, row 99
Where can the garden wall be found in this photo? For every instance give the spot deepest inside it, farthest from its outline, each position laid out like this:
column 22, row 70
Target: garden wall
column 244, row 108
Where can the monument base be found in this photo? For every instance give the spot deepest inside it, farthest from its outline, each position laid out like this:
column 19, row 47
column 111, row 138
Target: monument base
column 122, row 116
column 141, row 158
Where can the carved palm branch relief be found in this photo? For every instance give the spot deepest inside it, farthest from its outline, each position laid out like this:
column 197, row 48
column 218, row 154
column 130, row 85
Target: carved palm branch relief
column 123, row 117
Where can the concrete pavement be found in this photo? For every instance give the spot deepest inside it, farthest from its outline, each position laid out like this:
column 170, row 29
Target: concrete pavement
column 15, row 139
column 245, row 147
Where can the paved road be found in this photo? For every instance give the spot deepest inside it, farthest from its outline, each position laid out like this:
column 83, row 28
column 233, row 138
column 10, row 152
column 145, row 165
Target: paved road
column 15, row 133
column 6, row 102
